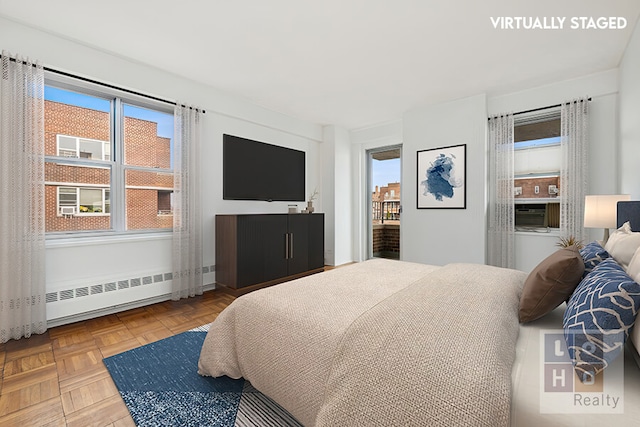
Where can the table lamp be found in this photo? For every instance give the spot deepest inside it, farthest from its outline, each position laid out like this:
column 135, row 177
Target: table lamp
column 600, row 211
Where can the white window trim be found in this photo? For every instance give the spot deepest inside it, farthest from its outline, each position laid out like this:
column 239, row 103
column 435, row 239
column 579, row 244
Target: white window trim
column 142, row 187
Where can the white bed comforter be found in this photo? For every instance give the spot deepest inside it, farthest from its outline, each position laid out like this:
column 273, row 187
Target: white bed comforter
column 377, row 343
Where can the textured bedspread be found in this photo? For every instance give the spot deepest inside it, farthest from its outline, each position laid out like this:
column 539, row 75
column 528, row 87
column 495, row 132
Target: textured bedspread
column 377, row 343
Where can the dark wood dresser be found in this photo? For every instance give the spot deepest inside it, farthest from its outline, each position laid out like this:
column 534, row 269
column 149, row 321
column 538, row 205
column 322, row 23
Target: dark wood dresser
column 255, row 251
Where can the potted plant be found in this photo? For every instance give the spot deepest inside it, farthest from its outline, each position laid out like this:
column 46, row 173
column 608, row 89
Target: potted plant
column 566, row 242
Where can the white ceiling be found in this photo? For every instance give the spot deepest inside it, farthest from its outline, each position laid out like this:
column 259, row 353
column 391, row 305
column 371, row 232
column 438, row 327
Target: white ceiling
column 352, row 63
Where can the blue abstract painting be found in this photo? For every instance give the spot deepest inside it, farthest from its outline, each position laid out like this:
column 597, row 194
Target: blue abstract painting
column 442, row 177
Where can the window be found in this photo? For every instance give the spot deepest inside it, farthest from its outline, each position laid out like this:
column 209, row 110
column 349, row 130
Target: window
column 108, row 160
column 84, row 201
column 71, row 146
column 165, row 202
column 537, row 162
column 147, row 166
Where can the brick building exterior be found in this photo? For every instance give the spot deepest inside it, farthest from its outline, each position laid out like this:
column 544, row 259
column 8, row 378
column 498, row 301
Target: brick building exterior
column 386, row 202
column 525, row 187
column 77, row 132
column 389, row 192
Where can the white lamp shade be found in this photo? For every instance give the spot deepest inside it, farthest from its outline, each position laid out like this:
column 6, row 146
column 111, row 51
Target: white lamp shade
column 600, row 211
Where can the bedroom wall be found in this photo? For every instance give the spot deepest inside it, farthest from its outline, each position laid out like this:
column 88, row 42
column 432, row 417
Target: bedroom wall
column 441, row 236
column 630, row 117
column 73, row 266
column 337, row 205
column 531, row 248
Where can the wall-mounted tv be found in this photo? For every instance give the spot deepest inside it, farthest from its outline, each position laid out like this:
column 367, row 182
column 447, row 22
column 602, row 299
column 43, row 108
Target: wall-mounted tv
column 253, row 170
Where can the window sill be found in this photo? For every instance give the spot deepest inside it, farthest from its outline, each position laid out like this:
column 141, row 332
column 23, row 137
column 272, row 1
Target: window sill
column 534, row 200
column 85, row 214
column 543, row 232
column 62, row 241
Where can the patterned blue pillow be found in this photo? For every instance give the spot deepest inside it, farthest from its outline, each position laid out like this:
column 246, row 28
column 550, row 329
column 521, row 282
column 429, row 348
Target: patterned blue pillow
column 598, row 318
column 592, row 255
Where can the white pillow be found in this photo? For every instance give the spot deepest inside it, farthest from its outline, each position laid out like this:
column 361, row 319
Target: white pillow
column 622, row 244
column 634, row 269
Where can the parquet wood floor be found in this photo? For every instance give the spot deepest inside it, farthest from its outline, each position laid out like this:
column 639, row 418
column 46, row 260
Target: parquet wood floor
column 58, row 378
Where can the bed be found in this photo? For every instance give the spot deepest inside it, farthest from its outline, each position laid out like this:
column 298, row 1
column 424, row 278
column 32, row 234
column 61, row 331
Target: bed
column 385, row 343
column 525, row 401
column 342, row 347
column 526, row 381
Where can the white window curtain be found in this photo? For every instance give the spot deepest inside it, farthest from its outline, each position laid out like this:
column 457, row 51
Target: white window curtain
column 573, row 174
column 187, row 211
column 22, row 227
column 501, row 210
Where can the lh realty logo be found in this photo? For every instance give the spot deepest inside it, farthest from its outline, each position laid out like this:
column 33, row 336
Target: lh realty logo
column 567, row 390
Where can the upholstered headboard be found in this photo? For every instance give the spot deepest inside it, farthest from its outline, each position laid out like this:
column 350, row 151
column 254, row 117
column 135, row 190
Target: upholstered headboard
column 629, row 211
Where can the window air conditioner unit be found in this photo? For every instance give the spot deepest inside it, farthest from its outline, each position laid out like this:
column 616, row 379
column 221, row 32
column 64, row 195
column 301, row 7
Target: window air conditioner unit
column 67, row 210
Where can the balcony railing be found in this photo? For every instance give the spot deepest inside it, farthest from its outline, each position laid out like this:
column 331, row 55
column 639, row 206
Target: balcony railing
column 388, row 210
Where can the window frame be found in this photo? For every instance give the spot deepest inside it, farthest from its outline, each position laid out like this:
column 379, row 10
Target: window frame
column 115, row 163
column 531, row 118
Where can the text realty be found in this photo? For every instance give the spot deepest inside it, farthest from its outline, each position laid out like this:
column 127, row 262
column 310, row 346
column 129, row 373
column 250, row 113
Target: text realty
column 597, row 400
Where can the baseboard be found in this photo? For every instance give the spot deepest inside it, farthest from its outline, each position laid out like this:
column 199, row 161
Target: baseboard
column 115, row 309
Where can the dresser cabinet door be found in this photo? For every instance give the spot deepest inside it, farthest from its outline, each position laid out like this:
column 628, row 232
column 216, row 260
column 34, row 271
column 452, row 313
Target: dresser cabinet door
column 261, row 248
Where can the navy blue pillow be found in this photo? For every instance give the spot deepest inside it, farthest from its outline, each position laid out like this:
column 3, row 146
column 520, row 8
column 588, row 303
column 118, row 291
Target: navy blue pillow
column 598, row 318
column 592, row 255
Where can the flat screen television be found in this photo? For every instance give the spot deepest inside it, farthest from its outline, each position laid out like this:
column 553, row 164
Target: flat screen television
column 253, row 170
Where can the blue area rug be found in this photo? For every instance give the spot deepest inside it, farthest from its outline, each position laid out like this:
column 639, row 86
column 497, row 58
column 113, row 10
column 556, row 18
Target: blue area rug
column 160, row 385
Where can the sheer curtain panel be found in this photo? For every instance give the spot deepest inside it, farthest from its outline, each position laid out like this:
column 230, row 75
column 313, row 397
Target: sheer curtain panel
column 187, row 210
column 573, row 173
column 501, row 209
column 22, row 279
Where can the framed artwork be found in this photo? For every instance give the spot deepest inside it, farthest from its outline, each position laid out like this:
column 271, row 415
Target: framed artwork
column 442, row 178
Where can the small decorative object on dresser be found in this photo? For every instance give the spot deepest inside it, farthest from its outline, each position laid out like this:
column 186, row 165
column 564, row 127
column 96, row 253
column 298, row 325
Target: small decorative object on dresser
column 313, row 196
